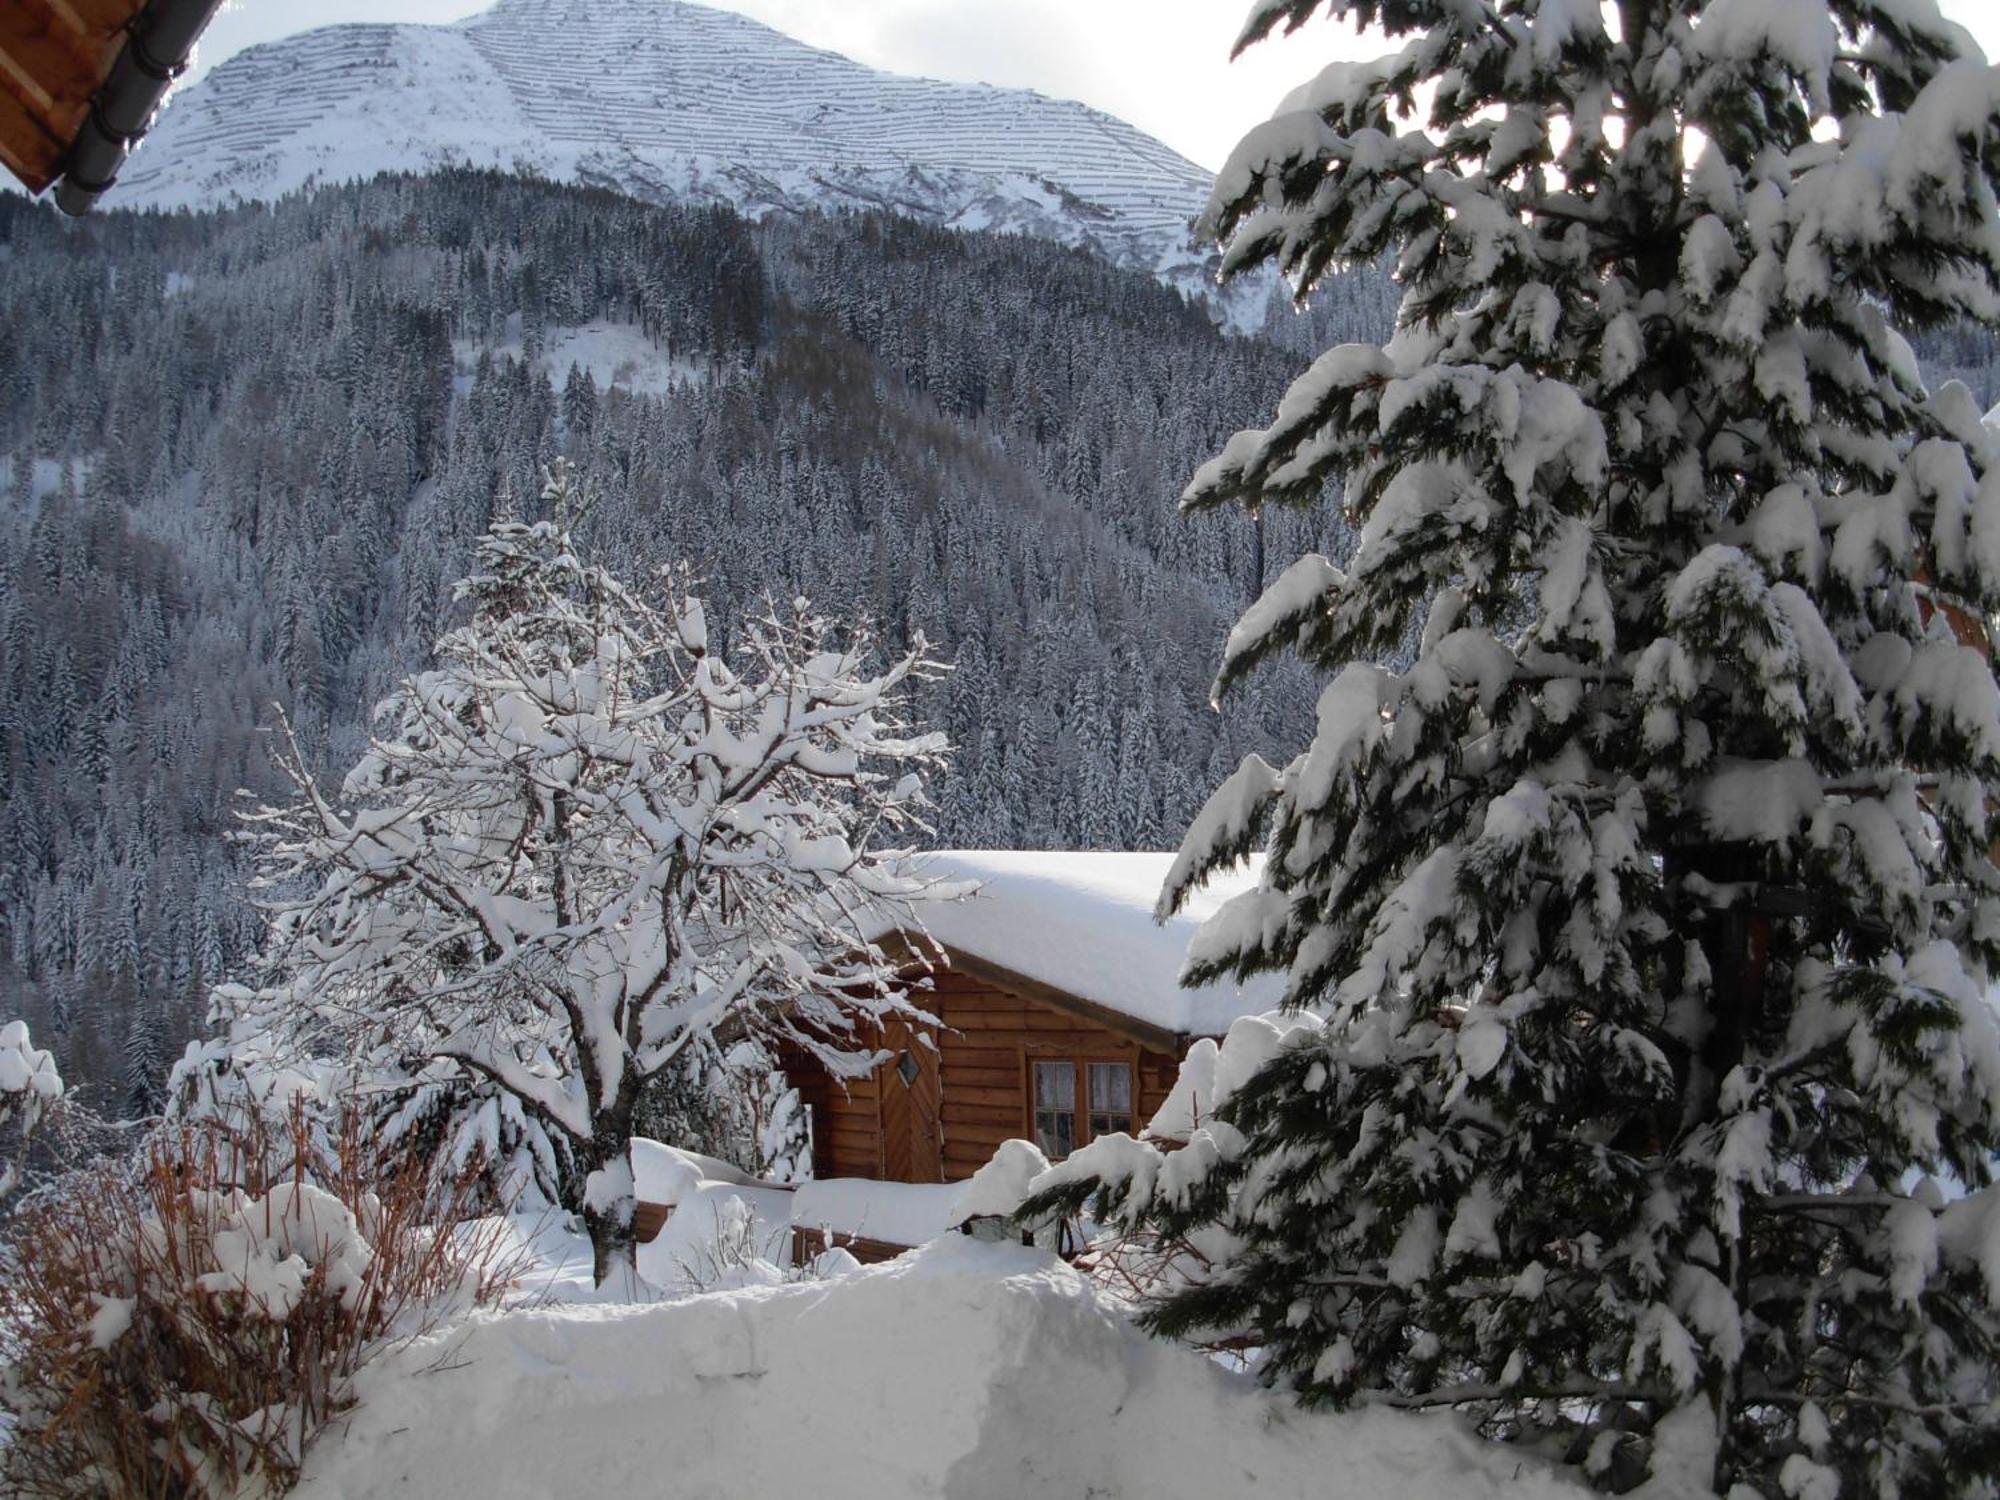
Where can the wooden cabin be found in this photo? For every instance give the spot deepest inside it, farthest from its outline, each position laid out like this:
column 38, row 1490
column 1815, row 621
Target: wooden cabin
column 1060, row 1019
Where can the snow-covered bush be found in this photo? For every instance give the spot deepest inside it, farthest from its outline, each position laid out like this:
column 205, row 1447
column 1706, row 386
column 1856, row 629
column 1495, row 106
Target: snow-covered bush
column 261, row 1110
column 733, row 1250
column 473, row 1139
column 1638, row 878
column 177, row 1329
column 30, row 1087
column 735, row 1104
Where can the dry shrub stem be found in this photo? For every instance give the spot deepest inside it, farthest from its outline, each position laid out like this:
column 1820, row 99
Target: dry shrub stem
column 214, row 1387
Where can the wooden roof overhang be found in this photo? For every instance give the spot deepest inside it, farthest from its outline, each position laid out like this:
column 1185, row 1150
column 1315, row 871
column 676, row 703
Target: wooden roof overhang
column 1153, row 1037
column 80, row 81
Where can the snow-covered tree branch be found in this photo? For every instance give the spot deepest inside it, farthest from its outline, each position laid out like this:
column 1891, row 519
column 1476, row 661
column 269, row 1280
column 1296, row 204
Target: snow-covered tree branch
column 1646, row 919
column 584, row 841
column 30, row 1087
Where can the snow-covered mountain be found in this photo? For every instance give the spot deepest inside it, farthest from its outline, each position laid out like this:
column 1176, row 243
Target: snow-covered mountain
column 666, row 100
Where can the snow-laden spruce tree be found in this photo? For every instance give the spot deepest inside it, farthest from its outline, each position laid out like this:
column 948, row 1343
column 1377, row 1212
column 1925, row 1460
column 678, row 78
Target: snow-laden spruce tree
column 584, row 842
column 250, row 1084
column 734, row 1103
column 1641, row 924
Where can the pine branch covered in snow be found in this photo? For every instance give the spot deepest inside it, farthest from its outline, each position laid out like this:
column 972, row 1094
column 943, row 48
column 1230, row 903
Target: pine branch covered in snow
column 1646, row 930
column 479, row 1146
column 584, row 843
column 30, row 1087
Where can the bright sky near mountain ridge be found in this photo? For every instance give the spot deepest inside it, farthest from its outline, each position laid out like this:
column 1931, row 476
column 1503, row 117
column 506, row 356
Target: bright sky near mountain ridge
column 1161, row 64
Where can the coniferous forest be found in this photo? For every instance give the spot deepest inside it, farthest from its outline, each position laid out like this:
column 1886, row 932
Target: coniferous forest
column 247, row 452
column 538, row 732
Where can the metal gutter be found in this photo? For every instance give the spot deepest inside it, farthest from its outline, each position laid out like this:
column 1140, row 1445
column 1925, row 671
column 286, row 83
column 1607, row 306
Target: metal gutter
column 156, row 53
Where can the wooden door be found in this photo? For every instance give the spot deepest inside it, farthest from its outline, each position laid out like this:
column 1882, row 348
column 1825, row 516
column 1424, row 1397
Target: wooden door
column 912, row 1140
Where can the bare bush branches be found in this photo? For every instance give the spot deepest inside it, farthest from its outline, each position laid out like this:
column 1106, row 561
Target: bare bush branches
column 185, row 1327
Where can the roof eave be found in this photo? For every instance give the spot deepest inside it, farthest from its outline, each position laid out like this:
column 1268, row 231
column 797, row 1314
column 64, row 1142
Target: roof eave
column 157, row 47
column 1148, row 1034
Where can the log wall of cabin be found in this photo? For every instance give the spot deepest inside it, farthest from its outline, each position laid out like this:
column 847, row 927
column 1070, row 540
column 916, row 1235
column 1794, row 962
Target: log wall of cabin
column 990, row 1036
column 846, row 1118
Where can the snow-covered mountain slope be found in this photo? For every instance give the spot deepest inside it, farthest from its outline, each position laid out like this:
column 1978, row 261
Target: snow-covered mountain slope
column 668, row 100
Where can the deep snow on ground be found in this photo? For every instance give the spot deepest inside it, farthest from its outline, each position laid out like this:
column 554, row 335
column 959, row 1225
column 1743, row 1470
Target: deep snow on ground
column 961, row 1370
column 725, row 1228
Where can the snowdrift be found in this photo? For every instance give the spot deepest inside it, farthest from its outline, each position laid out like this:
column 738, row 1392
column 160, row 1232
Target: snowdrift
column 962, row 1370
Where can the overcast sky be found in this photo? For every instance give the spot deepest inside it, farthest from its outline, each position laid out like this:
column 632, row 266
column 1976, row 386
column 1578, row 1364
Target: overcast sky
column 1162, row 64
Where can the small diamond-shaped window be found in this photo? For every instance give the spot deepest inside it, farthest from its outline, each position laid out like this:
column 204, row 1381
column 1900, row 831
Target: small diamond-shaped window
column 906, row 1069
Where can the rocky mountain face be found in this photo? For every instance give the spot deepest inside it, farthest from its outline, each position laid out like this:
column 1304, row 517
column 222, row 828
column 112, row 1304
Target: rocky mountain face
column 669, row 101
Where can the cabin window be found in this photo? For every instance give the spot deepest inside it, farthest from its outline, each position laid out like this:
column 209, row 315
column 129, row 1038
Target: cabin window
column 1110, row 1098
column 1055, row 1108
column 1072, row 1092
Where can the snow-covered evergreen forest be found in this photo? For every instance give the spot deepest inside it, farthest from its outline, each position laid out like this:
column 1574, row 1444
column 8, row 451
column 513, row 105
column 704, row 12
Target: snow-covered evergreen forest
column 247, row 452
column 1567, row 677
column 244, row 454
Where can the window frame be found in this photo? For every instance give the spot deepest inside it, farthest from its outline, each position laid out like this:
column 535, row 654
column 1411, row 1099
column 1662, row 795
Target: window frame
column 1130, row 1114
column 1077, row 1123
column 1081, row 1059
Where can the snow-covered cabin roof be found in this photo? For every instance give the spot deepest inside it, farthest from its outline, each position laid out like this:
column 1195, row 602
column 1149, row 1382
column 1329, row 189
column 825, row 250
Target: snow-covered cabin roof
column 1082, row 924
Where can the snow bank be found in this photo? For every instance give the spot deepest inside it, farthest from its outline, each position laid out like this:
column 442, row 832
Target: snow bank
column 661, row 1173
column 899, row 1213
column 1083, row 922
column 696, row 1187
column 722, row 1220
column 723, row 1224
column 714, row 1224
column 962, row 1370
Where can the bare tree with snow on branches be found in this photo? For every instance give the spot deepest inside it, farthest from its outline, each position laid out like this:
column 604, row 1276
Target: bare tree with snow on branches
column 585, row 841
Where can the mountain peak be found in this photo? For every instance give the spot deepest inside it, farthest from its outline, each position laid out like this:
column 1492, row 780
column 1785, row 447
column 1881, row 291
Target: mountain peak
column 668, row 101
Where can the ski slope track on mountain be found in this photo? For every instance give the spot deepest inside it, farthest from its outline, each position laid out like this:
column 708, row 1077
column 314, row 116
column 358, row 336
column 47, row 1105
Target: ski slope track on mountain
column 670, row 101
